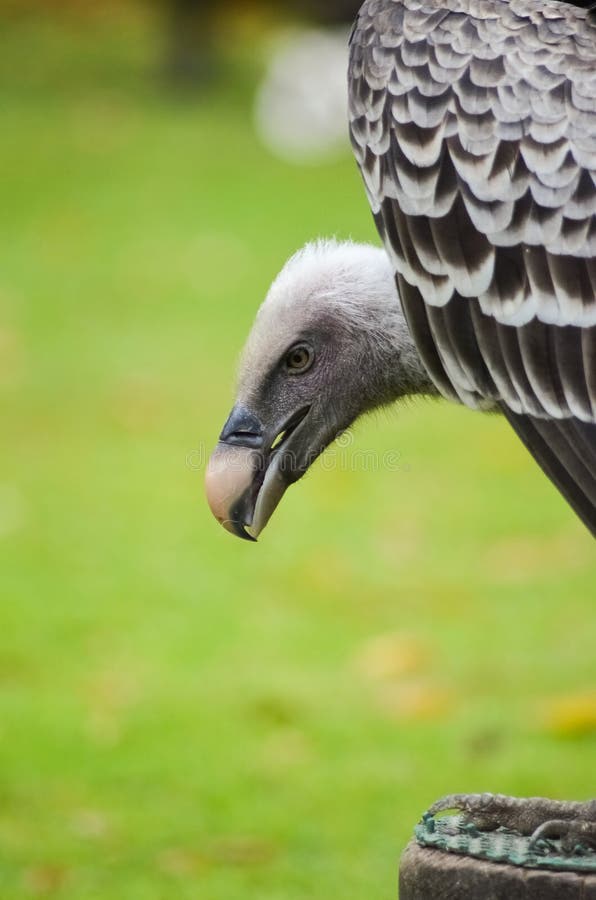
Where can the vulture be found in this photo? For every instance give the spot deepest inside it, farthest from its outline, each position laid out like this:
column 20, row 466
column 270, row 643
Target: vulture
column 473, row 123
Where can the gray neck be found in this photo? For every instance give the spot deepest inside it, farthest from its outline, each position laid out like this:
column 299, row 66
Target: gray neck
column 398, row 367
column 408, row 376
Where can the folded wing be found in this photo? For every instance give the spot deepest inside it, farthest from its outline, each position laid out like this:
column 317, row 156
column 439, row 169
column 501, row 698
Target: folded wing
column 474, row 126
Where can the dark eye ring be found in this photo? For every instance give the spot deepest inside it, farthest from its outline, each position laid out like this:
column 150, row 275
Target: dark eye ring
column 299, row 358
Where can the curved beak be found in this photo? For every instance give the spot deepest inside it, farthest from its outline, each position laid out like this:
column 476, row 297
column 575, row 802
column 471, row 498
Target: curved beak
column 249, row 471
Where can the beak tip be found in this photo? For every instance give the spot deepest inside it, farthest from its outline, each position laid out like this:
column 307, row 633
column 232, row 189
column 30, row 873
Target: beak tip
column 246, row 535
column 238, row 529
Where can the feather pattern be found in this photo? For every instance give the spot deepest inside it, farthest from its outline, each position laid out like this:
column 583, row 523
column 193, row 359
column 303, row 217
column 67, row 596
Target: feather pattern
column 474, row 126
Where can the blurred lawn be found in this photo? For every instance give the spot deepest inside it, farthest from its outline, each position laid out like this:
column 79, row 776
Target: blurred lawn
column 181, row 714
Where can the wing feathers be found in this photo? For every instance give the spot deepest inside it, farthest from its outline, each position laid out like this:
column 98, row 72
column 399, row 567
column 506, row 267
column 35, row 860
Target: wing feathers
column 482, row 106
column 570, row 365
column 466, row 252
column 418, row 324
column 554, row 445
column 474, row 125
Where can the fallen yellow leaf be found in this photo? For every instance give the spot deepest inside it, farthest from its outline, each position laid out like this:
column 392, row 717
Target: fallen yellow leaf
column 391, row 656
column 570, row 716
column 418, row 701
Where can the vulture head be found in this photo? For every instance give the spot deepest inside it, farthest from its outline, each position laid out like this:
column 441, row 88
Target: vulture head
column 329, row 343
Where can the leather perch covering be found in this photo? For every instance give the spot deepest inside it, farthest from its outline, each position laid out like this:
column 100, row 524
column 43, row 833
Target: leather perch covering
column 474, row 126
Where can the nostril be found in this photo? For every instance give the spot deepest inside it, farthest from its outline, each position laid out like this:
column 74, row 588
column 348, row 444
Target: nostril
column 243, row 439
column 242, row 428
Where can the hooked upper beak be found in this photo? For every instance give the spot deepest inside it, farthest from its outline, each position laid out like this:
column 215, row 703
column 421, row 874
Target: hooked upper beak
column 250, row 470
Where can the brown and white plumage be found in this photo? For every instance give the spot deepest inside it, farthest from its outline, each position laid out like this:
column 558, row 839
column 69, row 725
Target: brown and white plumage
column 474, row 126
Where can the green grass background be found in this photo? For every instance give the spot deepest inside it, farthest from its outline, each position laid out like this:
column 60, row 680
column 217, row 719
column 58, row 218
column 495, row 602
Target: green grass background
column 183, row 715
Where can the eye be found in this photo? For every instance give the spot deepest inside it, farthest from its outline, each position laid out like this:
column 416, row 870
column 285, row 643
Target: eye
column 299, row 358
